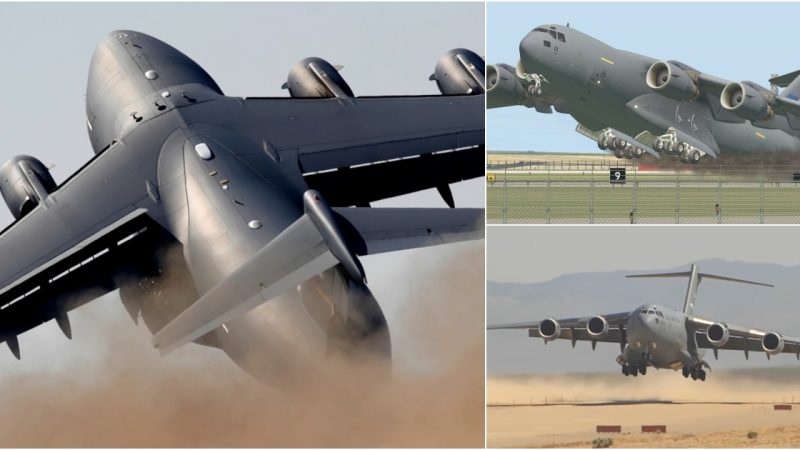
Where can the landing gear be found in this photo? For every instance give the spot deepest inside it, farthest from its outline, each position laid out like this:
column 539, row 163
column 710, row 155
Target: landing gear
column 536, row 81
column 697, row 373
column 669, row 143
column 621, row 148
column 634, row 369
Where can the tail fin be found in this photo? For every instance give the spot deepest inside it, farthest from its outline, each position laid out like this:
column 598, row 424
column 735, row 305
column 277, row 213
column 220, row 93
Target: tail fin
column 694, row 282
column 791, row 83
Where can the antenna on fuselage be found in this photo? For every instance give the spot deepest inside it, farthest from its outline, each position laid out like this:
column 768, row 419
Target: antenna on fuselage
column 694, row 282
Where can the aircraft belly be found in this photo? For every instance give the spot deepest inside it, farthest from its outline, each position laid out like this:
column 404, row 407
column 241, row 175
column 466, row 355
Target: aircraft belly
column 231, row 211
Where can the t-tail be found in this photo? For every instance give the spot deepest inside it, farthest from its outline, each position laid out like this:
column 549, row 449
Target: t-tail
column 695, row 277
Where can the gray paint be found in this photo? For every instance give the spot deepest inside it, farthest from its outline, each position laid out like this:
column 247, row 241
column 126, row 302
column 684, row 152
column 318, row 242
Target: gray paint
column 260, row 151
column 605, row 89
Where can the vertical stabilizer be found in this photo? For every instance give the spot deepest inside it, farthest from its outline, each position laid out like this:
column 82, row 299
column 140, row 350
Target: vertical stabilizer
column 694, row 282
column 691, row 290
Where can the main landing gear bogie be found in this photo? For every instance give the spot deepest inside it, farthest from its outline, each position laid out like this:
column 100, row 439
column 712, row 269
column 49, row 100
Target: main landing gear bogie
column 620, row 147
column 697, row 373
column 634, row 369
column 670, row 144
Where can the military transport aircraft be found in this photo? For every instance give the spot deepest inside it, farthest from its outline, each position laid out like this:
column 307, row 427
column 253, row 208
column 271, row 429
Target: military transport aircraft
column 200, row 207
column 633, row 104
column 661, row 337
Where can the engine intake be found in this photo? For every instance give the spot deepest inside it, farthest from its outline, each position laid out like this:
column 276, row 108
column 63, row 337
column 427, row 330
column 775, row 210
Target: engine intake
column 549, row 329
column 316, row 78
column 597, row 327
column 718, row 334
column 671, row 81
column 25, row 183
column 503, row 86
column 460, row 71
column 746, row 100
column 772, row 343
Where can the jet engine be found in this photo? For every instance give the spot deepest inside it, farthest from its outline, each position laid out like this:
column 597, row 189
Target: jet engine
column 549, row 329
column 503, row 86
column 747, row 100
column 597, row 327
column 671, row 81
column 718, row 335
column 772, row 343
column 26, row 183
column 316, row 78
column 460, row 71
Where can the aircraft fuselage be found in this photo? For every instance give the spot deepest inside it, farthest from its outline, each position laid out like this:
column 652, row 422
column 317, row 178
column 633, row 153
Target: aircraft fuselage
column 601, row 86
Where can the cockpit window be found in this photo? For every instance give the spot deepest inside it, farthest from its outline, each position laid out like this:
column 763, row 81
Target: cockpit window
column 541, row 30
column 561, row 37
column 553, row 33
column 547, row 44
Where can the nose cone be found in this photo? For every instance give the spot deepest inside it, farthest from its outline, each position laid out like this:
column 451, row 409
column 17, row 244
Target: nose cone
column 530, row 51
column 128, row 72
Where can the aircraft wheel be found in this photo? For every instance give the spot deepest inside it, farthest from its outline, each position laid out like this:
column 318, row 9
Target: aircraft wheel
column 635, row 373
column 638, row 152
column 643, row 369
column 680, row 148
column 659, row 145
column 702, row 375
column 603, row 142
column 694, row 156
column 625, row 370
column 685, row 372
column 621, row 143
column 619, row 153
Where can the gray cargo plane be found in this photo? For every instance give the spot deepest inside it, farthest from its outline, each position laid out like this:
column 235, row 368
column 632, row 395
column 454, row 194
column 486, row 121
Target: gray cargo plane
column 661, row 337
column 632, row 104
column 200, row 207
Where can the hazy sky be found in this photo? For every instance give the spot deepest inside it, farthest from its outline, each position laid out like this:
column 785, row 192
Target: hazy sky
column 531, row 254
column 732, row 40
column 248, row 48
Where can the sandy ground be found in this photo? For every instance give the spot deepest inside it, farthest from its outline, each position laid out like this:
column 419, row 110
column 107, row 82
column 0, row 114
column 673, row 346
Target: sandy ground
column 571, row 421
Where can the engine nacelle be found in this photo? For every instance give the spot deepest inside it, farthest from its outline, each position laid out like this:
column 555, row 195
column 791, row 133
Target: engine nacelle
column 549, row 329
column 718, row 334
column 503, row 86
column 316, row 78
column 597, row 327
column 460, row 71
column 671, row 81
column 746, row 100
column 25, row 183
column 772, row 343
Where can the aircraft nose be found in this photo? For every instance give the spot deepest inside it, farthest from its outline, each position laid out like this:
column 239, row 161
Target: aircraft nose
column 529, row 49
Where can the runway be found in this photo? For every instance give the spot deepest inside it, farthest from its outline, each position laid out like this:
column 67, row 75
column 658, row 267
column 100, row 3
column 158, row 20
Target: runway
column 717, row 413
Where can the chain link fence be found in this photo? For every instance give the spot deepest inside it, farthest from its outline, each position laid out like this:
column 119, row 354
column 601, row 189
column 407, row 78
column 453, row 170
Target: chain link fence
column 583, row 192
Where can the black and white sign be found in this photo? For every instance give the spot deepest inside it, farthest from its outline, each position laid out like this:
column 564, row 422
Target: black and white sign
column 617, row 175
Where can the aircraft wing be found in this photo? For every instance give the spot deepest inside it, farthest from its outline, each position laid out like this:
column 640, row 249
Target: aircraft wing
column 359, row 150
column 83, row 272
column 741, row 338
column 574, row 329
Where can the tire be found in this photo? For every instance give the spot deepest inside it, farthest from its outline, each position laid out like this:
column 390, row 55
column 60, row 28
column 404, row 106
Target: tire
column 694, row 156
column 621, row 143
column 603, row 142
column 680, row 148
column 658, row 145
column 625, row 370
column 643, row 369
column 619, row 153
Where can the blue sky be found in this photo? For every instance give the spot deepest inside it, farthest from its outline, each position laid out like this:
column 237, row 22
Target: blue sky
column 735, row 41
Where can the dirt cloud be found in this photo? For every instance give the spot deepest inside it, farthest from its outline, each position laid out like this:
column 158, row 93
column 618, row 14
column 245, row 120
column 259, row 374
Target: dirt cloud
column 123, row 394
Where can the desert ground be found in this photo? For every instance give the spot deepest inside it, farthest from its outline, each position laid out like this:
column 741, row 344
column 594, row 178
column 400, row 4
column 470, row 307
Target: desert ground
column 563, row 410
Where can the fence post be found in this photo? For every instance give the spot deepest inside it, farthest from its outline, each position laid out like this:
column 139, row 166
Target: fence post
column 505, row 194
column 761, row 208
column 677, row 197
column 549, row 194
column 635, row 211
column 719, row 196
column 591, row 197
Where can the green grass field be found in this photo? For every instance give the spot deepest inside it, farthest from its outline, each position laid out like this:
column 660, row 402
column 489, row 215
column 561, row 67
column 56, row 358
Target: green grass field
column 653, row 201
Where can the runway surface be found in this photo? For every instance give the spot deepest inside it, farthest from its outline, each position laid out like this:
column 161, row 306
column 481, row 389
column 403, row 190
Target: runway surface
column 717, row 413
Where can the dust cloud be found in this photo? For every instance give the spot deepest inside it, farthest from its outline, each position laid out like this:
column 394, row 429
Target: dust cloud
column 756, row 386
column 124, row 394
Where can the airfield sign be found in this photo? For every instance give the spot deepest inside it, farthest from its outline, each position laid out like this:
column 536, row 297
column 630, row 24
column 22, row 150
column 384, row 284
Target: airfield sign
column 617, row 175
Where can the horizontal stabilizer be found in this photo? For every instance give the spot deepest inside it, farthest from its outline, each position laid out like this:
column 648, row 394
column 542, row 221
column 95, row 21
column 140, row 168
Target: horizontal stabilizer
column 700, row 275
column 785, row 79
